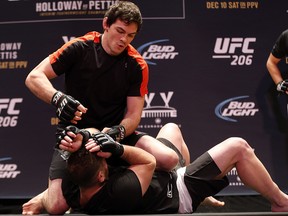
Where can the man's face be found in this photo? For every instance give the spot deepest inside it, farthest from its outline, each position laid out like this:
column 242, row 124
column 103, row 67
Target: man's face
column 118, row 36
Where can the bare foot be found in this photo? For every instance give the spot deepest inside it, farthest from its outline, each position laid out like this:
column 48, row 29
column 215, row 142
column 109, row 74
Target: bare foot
column 211, row 201
column 276, row 208
column 281, row 204
column 33, row 206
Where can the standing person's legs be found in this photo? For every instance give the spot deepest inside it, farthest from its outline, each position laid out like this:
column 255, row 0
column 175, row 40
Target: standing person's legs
column 236, row 152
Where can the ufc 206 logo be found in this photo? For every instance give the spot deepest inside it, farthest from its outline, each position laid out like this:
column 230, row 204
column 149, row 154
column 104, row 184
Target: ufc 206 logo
column 9, row 112
column 239, row 49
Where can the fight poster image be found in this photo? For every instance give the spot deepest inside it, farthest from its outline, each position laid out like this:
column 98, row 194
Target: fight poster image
column 207, row 74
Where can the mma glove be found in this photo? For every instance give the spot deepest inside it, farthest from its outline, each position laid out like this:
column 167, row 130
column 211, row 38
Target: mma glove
column 86, row 135
column 108, row 144
column 282, row 86
column 66, row 106
column 117, row 132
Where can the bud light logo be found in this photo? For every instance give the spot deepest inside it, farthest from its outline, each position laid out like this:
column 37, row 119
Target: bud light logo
column 231, row 108
column 5, row 159
column 8, row 170
column 153, row 51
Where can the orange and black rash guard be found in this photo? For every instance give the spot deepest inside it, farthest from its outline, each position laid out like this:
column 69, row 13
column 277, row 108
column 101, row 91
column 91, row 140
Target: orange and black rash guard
column 99, row 81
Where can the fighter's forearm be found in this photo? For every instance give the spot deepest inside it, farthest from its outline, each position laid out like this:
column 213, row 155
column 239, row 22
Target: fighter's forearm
column 141, row 163
column 130, row 124
column 272, row 67
column 135, row 156
column 132, row 117
column 41, row 87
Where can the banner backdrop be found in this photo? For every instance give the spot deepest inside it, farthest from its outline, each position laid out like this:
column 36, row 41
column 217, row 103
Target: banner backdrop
column 208, row 74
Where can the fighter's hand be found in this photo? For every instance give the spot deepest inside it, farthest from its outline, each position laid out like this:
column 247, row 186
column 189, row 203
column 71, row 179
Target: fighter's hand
column 71, row 139
column 107, row 144
column 211, row 201
column 92, row 146
column 116, row 132
column 67, row 108
column 282, row 86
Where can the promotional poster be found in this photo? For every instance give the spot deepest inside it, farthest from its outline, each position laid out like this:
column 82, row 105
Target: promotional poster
column 207, row 74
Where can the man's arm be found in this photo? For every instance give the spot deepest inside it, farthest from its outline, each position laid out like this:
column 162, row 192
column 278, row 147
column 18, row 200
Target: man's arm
column 38, row 81
column 132, row 117
column 130, row 121
column 141, row 163
column 272, row 66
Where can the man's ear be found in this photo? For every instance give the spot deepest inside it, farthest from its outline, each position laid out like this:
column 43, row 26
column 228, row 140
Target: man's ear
column 101, row 176
column 104, row 24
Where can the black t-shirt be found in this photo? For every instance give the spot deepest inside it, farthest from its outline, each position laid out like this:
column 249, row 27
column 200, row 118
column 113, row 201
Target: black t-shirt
column 162, row 196
column 280, row 48
column 122, row 195
column 99, row 81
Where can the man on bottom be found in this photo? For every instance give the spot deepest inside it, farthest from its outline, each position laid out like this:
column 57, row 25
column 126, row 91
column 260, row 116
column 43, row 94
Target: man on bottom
column 93, row 188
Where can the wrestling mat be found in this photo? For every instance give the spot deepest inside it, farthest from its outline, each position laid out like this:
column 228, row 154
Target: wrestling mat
column 234, row 206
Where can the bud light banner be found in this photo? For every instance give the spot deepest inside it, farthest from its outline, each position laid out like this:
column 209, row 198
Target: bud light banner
column 207, row 73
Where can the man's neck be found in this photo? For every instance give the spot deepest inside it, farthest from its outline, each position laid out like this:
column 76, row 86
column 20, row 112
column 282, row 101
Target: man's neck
column 87, row 193
column 103, row 43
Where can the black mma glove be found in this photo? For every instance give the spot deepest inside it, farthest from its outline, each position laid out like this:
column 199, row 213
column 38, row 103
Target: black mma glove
column 282, row 86
column 107, row 144
column 86, row 134
column 66, row 106
column 117, row 132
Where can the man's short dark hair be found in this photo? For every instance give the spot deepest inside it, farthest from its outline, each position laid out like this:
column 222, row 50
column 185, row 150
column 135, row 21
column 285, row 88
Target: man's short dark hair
column 126, row 11
column 83, row 167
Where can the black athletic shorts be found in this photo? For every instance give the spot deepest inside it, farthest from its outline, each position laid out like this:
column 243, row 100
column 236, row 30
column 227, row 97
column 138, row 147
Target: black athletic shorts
column 200, row 181
column 58, row 164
